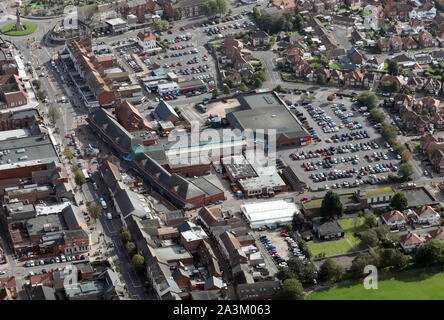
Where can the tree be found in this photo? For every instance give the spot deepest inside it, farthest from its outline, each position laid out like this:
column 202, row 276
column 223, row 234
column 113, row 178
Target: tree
column 243, row 87
column 130, row 247
column 392, row 67
column 377, row 115
column 256, row 14
column 161, row 25
column 285, row 273
column 439, row 4
column 370, row 220
column 79, row 179
column 406, row 155
column 368, row 99
column 391, row 257
column 331, row 205
column 137, row 261
column 394, row 87
column 177, row 14
column 364, row 259
column 298, row 22
column 41, row 94
column 399, row 201
column 227, row 89
column 94, row 210
column 304, row 248
column 215, row 93
column 405, row 171
column 303, row 272
column 221, row 6
column 389, row 133
column 369, row 238
column 74, row 168
column 257, row 82
column 125, row 236
column 292, row 290
column 68, row 153
column 230, row 83
column 210, row 8
column 36, row 83
column 430, row 253
column 260, row 74
column 330, row 271
column 320, row 80
column 54, row 114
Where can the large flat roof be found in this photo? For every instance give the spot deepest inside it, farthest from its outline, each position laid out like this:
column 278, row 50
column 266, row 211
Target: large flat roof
column 260, row 100
column 175, row 252
column 34, row 147
column 418, row 197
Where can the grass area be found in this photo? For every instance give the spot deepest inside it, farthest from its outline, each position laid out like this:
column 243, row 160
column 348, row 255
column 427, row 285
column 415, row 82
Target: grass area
column 416, row 286
column 349, row 243
column 417, row 145
column 29, row 28
column 334, row 66
column 315, row 65
column 383, row 189
column 315, row 203
column 349, row 227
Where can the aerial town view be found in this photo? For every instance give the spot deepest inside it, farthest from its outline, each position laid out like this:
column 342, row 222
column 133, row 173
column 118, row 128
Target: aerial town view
column 224, row 150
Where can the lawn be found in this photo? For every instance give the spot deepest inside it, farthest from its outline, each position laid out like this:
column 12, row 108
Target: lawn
column 349, row 243
column 421, row 286
column 29, row 28
column 334, row 66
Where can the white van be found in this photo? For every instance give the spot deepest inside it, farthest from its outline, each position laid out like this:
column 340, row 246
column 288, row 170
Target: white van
column 109, row 216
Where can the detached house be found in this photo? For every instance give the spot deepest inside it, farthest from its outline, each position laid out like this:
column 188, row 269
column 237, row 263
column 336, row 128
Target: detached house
column 396, row 43
column 301, row 69
column 432, row 86
column 146, row 40
column 425, row 215
column 260, row 38
column 437, row 234
column 375, row 63
column 410, row 241
column 369, row 80
column 426, row 39
column 394, row 219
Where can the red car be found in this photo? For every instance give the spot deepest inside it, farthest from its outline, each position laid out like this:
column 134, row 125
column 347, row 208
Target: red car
column 180, row 64
column 171, row 27
column 88, row 171
column 182, row 28
column 40, row 46
column 170, row 32
column 225, row 177
column 205, row 55
column 284, row 234
column 304, row 199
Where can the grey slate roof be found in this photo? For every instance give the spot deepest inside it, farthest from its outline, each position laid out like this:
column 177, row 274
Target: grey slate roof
column 164, row 110
column 129, row 203
column 73, row 217
column 330, row 227
column 113, row 129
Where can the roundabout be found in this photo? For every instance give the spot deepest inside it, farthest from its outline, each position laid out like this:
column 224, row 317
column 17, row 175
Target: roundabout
column 12, row 30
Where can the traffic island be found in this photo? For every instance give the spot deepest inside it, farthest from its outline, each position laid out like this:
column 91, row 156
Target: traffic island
column 25, row 28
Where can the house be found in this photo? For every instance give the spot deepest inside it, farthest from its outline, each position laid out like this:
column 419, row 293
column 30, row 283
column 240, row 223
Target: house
column 355, row 56
column 426, row 11
column 301, row 69
column 329, row 230
column 353, row 4
column 396, row 43
column 383, row 44
column 426, row 39
column 146, row 40
column 336, row 76
column 12, row 92
column 321, row 71
column 402, row 100
column 394, row 30
column 287, row 5
column 432, row 86
column 394, row 219
column 409, row 43
column 437, row 234
column 410, row 241
column 369, row 80
column 415, row 82
column 354, row 79
column 8, row 287
column 425, row 215
column 130, row 118
column 231, row 249
column 187, row 8
column 374, row 17
column 260, row 38
column 375, row 63
column 438, row 55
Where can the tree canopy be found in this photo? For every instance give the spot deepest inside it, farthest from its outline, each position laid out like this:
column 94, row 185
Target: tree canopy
column 137, row 261
column 330, row 271
column 292, row 290
column 393, row 67
column 399, row 201
column 331, row 205
column 405, row 171
column 430, row 253
column 368, row 99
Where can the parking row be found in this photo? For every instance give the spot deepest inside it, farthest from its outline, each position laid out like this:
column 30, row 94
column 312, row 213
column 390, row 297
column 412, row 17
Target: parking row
column 271, row 249
column 57, row 259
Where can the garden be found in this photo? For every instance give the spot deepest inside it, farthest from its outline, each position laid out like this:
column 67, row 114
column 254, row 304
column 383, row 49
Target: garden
column 9, row 29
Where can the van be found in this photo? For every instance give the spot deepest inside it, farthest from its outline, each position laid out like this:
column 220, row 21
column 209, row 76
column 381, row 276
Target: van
column 109, row 216
column 260, row 266
column 62, row 258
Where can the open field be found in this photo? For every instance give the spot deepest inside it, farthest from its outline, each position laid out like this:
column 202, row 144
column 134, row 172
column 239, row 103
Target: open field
column 422, row 286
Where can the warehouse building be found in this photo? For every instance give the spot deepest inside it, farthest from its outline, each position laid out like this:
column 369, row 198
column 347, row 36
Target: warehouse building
column 269, row 213
column 266, row 111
